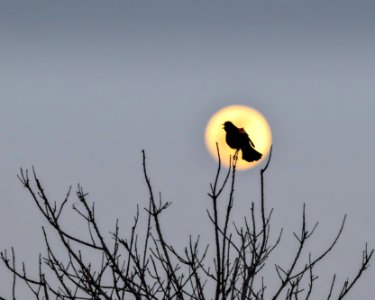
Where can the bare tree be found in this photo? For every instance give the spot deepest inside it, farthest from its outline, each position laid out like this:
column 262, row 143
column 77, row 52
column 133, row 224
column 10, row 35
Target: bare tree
column 147, row 266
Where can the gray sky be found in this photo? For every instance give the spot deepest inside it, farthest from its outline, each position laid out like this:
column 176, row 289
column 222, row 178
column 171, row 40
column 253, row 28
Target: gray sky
column 85, row 85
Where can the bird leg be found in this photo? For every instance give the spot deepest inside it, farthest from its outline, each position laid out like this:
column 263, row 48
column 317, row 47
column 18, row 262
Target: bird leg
column 235, row 156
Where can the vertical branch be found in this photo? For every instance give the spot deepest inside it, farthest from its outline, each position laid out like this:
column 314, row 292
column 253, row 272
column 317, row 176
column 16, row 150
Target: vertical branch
column 214, row 197
column 262, row 201
column 14, row 275
column 257, row 255
column 331, row 287
column 215, row 193
column 224, row 278
column 155, row 214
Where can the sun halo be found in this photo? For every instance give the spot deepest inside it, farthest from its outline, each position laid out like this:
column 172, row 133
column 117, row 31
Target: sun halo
column 254, row 123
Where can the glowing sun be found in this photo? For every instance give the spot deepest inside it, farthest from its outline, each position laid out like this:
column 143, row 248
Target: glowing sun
column 241, row 116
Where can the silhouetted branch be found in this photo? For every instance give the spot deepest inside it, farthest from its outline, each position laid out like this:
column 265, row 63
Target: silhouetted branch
column 366, row 256
column 145, row 266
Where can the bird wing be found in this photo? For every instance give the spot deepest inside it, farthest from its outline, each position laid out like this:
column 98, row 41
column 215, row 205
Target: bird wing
column 242, row 131
column 251, row 142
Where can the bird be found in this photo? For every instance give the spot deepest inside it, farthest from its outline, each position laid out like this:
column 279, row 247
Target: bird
column 237, row 138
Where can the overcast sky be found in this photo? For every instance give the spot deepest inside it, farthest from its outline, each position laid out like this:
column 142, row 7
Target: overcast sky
column 86, row 85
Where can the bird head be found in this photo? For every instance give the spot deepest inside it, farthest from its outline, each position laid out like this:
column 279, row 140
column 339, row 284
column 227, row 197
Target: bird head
column 228, row 126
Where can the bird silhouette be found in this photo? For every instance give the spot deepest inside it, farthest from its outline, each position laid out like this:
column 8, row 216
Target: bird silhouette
column 237, row 138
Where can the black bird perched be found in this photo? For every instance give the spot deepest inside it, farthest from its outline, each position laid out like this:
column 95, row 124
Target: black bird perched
column 237, row 138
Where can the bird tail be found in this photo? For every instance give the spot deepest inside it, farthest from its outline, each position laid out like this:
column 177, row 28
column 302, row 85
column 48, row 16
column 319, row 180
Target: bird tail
column 250, row 154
